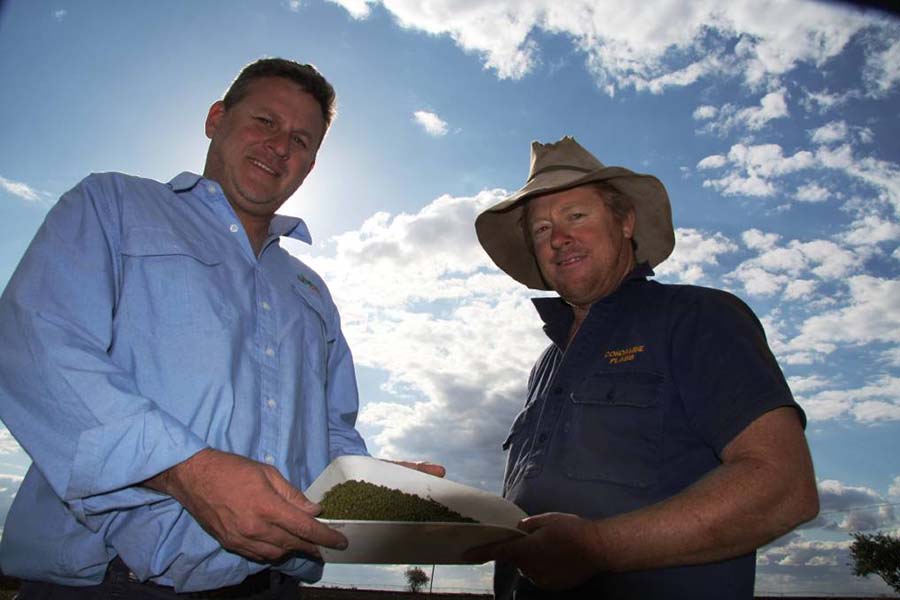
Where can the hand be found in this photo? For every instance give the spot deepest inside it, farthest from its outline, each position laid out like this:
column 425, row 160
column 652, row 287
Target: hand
column 557, row 555
column 424, row 467
column 247, row 506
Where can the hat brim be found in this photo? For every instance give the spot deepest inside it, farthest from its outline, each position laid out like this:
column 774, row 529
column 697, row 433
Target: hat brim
column 501, row 235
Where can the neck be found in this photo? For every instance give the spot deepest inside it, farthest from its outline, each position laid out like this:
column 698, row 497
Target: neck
column 257, row 229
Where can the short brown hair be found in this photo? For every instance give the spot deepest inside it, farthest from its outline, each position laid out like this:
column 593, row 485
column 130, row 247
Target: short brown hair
column 618, row 203
column 306, row 76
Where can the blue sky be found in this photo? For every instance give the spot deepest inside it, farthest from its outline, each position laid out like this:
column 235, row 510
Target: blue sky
column 772, row 124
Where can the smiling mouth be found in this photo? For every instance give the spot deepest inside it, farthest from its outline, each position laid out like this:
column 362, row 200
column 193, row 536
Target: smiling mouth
column 264, row 167
column 569, row 261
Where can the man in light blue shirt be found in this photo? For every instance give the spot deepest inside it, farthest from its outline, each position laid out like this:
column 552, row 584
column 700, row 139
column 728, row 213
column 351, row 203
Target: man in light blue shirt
column 175, row 375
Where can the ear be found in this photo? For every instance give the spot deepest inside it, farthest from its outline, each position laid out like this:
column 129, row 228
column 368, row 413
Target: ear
column 216, row 112
column 628, row 225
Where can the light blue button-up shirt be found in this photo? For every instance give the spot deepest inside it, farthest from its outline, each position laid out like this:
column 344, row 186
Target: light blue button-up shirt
column 138, row 329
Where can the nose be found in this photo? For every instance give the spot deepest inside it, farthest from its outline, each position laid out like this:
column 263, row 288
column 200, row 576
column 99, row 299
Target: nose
column 280, row 143
column 560, row 237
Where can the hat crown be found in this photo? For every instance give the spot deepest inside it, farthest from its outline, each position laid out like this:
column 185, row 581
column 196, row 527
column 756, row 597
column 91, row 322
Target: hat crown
column 566, row 154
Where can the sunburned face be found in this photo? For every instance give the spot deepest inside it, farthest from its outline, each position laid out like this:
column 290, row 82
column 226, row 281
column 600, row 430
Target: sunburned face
column 583, row 250
column 264, row 146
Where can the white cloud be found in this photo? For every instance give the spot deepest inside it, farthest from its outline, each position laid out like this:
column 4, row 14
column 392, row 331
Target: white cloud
column 835, row 131
column 759, row 240
column 60, row 14
column 870, row 230
column 693, row 250
column 875, row 402
column 430, row 122
column 883, row 176
column 647, row 46
column 853, row 508
column 22, row 190
column 771, row 106
column 8, row 444
column 812, row 192
column 894, row 490
column 800, row 385
column 754, row 167
column 714, row 161
column 825, row 100
column 704, row 112
column 872, row 315
column 421, row 301
column 882, row 70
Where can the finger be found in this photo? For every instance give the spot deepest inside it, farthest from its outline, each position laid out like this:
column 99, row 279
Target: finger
column 305, row 531
column 423, row 466
column 498, row 551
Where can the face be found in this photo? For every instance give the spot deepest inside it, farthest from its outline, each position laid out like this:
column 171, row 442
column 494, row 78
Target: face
column 264, row 146
column 582, row 249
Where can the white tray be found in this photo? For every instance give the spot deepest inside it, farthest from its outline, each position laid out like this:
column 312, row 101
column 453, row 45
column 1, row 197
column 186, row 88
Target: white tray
column 404, row 542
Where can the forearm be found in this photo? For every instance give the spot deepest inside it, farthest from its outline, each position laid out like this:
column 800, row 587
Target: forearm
column 751, row 499
column 727, row 514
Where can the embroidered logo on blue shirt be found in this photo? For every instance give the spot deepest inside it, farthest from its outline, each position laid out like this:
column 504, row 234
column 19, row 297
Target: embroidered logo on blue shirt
column 624, row 355
column 302, row 279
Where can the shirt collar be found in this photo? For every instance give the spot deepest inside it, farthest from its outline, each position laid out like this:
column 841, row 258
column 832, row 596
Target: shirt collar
column 557, row 314
column 281, row 225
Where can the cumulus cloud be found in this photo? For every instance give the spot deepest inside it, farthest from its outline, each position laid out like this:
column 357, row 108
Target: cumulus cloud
column 649, row 47
column 421, row 301
column 871, row 403
column 775, row 267
column 22, row 190
column 882, row 71
column 753, row 169
column 829, row 133
column 812, row 192
column 694, row 250
column 853, row 508
column 871, row 315
column 8, row 444
column 772, row 106
column 824, row 101
column 60, row 14
column 430, row 122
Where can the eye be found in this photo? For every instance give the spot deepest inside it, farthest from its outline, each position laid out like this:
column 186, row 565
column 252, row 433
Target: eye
column 538, row 230
column 299, row 140
column 266, row 121
column 575, row 216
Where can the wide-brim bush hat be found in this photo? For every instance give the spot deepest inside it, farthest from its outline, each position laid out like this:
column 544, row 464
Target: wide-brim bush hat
column 564, row 165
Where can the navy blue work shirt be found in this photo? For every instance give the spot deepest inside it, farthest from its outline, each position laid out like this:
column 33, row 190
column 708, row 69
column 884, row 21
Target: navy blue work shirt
column 656, row 383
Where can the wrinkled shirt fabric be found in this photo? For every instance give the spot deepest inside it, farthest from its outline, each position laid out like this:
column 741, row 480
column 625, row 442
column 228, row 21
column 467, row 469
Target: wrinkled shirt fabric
column 139, row 329
column 637, row 407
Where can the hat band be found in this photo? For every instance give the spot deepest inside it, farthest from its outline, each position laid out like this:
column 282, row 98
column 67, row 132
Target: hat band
column 557, row 168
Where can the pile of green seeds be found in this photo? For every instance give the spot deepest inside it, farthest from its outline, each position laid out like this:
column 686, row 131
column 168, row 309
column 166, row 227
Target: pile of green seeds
column 363, row 501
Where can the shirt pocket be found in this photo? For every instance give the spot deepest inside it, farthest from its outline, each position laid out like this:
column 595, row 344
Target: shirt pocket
column 171, row 284
column 313, row 330
column 614, row 430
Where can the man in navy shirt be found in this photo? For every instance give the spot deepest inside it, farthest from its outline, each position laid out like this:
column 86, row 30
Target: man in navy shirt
column 659, row 444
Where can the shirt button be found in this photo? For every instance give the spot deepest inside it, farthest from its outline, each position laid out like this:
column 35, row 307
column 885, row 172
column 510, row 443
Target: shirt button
column 210, row 188
column 270, row 352
column 271, row 403
column 542, row 438
column 557, row 390
column 233, row 228
column 266, row 306
column 270, row 459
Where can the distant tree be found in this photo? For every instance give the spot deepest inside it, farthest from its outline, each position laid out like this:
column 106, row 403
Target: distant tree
column 416, row 579
column 877, row 553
